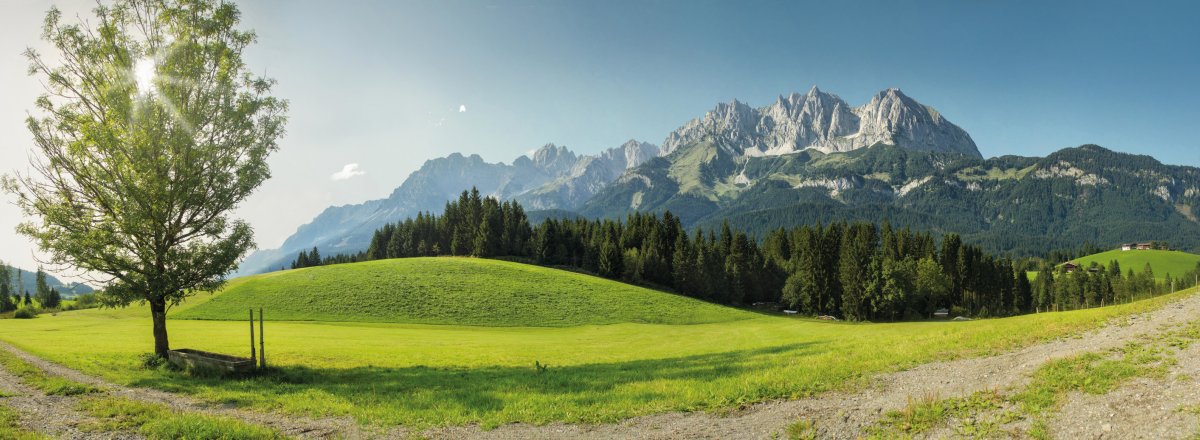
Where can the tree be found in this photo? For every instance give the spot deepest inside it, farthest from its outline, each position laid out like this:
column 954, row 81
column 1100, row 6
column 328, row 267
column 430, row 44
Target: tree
column 53, row 299
column 933, row 284
column 611, row 259
column 6, row 292
column 152, row 130
column 41, row 291
column 1023, row 292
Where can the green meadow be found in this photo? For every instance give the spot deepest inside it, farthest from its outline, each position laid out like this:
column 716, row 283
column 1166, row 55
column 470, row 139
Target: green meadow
column 672, row 354
column 1174, row 263
column 458, row 291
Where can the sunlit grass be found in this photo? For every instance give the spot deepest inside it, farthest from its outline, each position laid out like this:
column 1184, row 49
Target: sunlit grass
column 429, row 375
column 158, row 422
column 460, row 291
column 46, row 383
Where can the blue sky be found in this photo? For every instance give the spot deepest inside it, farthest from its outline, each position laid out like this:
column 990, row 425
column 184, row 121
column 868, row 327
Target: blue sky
column 381, row 83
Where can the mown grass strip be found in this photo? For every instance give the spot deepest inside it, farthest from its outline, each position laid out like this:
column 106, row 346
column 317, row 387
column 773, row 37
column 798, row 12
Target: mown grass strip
column 157, row 421
column 35, row 377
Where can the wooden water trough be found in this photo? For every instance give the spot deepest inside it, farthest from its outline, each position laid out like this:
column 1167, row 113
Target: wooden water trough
column 196, row 360
column 202, row 361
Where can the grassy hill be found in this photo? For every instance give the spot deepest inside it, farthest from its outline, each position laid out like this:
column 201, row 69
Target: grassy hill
column 1163, row 262
column 458, row 291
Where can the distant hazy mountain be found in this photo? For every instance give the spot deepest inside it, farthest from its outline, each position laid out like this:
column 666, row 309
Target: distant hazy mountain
column 29, row 284
column 823, row 122
column 552, row 177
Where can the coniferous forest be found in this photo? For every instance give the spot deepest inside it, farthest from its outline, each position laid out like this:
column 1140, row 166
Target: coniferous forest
column 855, row 271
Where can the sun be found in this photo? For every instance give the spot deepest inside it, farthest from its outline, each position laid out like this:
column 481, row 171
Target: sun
column 143, row 73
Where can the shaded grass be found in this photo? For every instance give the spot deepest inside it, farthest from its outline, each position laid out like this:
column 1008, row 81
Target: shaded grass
column 459, row 291
column 35, row 377
column 156, row 421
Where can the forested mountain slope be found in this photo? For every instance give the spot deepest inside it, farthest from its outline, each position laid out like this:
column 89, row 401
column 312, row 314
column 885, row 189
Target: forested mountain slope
column 1024, row 205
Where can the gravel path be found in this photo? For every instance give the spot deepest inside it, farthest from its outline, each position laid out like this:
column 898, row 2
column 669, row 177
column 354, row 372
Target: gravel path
column 845, row 415
column 304, row 428
column 54, row 416
column 1160, row 408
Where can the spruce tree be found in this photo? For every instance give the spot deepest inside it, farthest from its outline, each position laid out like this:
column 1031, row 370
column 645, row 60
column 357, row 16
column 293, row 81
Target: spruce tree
column 611, row 259
column 684, row 264
column 42, row 292
column 6, row 301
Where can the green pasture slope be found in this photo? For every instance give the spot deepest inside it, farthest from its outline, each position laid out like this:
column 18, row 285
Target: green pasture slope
column 1163, row 262
column 455, row 291
column 668, row 354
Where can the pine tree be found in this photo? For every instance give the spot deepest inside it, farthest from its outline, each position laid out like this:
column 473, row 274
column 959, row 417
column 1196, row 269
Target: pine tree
column 53, row 299
column 6, row 301
column 1023, row 292
column 42, row 292
column 737, row 269
column 611, row 259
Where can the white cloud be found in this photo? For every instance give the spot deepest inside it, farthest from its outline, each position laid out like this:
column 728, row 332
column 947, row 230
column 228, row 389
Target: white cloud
column 347, row 172
column 462, row 108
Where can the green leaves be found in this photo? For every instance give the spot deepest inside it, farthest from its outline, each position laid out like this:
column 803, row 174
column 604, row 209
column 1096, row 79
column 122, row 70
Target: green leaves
column 136, row 187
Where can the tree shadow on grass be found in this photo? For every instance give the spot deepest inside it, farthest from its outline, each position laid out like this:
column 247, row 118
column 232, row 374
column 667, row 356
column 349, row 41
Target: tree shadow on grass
column 431, row 396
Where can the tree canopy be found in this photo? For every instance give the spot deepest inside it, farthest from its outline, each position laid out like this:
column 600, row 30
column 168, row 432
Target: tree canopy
column 151, row 131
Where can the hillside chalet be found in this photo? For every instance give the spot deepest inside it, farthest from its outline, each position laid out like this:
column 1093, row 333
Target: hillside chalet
column 1137, row 246
column 1070, row 266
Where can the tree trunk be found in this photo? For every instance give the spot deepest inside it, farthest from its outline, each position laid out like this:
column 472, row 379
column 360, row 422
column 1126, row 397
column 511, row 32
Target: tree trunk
column 158, row 312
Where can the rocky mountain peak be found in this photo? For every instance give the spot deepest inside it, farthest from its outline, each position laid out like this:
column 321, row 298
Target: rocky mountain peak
column 632, row 153
column 824, row 122
column 554, row 159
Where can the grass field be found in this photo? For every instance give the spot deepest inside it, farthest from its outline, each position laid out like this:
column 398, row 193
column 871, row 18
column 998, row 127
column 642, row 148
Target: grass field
column 422, row 375
column 459, row 291
column 1163, row 262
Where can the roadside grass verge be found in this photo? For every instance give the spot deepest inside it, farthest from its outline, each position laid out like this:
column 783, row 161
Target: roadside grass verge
column 802, row 430
column 158, row 422
column 1090, row 373
column 423, row 376
column 923, row 415
column 35, row 377
column 10, row 427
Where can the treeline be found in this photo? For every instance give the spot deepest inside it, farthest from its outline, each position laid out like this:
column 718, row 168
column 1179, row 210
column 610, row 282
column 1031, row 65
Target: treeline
column 13, row 296
column 1098, row 285
column 857, row 271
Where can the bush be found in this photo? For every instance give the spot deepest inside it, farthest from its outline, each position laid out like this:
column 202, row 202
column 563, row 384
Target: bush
column 86, row 301
column 151, row 360
column 25, row 313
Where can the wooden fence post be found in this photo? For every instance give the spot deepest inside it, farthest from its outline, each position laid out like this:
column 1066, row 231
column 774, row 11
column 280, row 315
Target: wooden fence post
column 252, row 356
column 262, row 347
